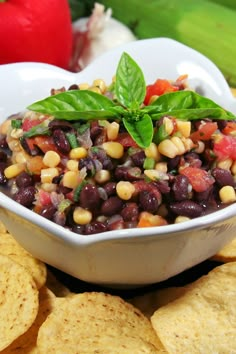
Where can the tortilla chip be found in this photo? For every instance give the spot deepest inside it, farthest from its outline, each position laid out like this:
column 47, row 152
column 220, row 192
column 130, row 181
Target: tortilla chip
column 203, row 319
column 227, row 254
column 94, row 318
column 11, row 248
column 150, row 302
column 18, row 300
column 3, row 228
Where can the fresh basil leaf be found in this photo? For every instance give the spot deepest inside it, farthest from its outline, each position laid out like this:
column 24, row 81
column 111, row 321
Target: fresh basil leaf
column 73, row 102
column 39, row 129
column 16, row 123
column 130, row 87
column 141, row 130
column 186, row 105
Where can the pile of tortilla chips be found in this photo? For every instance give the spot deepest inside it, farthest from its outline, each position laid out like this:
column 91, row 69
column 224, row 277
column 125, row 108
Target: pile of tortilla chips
column 40, row 315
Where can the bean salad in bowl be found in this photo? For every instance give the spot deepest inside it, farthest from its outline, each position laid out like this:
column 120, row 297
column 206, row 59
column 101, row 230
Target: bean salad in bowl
column 97, row 157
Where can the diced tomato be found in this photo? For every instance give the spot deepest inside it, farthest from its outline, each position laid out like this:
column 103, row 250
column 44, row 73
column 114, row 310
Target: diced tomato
column 200, row 179
column 149, row 220
column 30, row 123
column 45, row 143
column 230, row 128
column 160, row 87
column 126, row 140
column 44, row 197
column 204, row 131
column 225, row 147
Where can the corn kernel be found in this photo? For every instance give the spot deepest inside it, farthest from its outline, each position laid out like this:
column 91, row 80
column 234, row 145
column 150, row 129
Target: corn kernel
column 70, row 179
column 84, row 86
column 179, row 144
column 233, row 168
column 168, row 148
column 72, row 165
column 200, row 147
column 113, row 149
column 16, row 133
column 125, row 190
column 51, row 158
column 14, row 145
column 180, row 219
column 112, row 130
column 102, row 176
column 47, row 174
column 82, row 216
column 227, row 194
column 21, row 157
column 14, row 170
column 78, row 153
column 152, row 151
column 169, row 125
column 156, row 175
column 100, row 84
column 161, row 167
column 188, row 143
column 225, row 164
column 95, row 89
column 183, row 127
column 4, row 127
column 49, row 187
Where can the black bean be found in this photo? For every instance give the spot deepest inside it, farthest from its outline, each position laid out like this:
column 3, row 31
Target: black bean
column 130, row 212
column 173, row 163
column 162, row 186
column 33, row 151
column 133, row 174
column 110, row 188
column 180, row 188
column 73, row 87
column 121, row 173
column 95, row 131
column 89, row 197
column 3, row 156
column 186, row 208
column 148, row 201
column 111, row 206
column 3, row 141
column 138, row 158
column 94, row 228
column 61, row 141
column 223, row 177
column 221, row 124
column 60, row 124
column 25, row 196
column 206, row 195
column 193, row 160
column 3, row 178
column 48, row 211
column 24, row 180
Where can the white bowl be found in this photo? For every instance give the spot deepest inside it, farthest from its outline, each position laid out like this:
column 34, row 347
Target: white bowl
column 131, row 257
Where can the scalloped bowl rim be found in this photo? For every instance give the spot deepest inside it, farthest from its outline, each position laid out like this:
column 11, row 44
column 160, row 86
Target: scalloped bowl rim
column 160, row 231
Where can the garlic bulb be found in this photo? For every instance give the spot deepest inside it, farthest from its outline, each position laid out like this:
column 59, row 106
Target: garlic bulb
column 95, row 35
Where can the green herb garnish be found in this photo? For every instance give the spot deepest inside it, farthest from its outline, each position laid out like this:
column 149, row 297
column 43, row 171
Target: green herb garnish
column 16, row 123
column 130, row 90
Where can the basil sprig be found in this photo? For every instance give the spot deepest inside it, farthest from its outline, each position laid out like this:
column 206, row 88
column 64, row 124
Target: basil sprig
column 130, row 91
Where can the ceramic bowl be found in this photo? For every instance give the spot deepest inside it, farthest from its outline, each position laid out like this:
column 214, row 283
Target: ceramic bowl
column 132, row 257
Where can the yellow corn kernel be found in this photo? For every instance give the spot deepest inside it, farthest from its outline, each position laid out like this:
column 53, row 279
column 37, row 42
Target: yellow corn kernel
column 14, row 145
column 183, row 127
column 179, row 144
column 72, row 165
column 168, row 148
column 78, row 153
column 152, row 152
column 21, row 157
column 169, row 125
column 200, row 147
column 188, row 143
column 113, row 149
column 227, row 194
column 225, row 164
column 233, row 168
column 155, row 175
column 102, row 176
column 14, row 170
column 4, row 127
column 70, row 179
column 16, row 133
column 161, row 167
column 47, row 174
column 82, row 216
column 112, row 130
column 180, row 219
column 51, row 158
column 125, row 190
column 95, row 89
column 100, row 84
column 84, row 86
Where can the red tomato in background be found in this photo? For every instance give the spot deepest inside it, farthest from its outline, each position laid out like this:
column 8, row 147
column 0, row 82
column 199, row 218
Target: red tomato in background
column 198, row 178
column 39, row 31
column 204, row 132
column 160, row 87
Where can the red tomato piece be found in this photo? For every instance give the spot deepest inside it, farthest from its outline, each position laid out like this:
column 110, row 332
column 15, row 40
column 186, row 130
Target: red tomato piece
column 44, row 197
column 225, row 147
column 45, row 143
column 160, row 87
column 126, row 140
column 230, row 128
column 204, row 132
column 29, row 123
column 200, row 179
